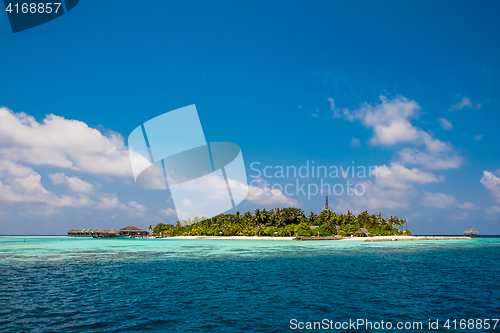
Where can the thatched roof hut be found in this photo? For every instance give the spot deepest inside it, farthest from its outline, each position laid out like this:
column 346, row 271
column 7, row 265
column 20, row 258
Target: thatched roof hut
column 111, row 232
column 363, row 232
column 471, row 232
column 133, row 231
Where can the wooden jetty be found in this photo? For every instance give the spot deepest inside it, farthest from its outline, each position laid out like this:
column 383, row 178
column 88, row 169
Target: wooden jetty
column 317, row 238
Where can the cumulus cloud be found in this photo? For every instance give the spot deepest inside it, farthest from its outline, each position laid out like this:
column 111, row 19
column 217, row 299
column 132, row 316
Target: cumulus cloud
column 464, row 103
column 492, row 183
column 22, row 184
column 266, row 196
column 110, row 201
column 168, row 212
column 467, row 205
column 397, row 176
column 393, row 188
column 438, row 200
column 262, row 194
column 445, row 124
column 493, row 210
column 375, row 196
column 63, row 143
column 434, row 161
column 390, row 121
column 137, row 206
column 60, row 143
column 75, row 184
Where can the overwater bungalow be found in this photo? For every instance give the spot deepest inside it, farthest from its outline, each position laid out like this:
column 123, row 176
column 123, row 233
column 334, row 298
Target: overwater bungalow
column 130, row 231
column 363, row 232
column 471, row 233
column 133, row 231
column 113, row 232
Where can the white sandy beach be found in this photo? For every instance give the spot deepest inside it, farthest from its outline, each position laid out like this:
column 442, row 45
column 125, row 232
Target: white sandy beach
column 234, row 238
column 368, row 239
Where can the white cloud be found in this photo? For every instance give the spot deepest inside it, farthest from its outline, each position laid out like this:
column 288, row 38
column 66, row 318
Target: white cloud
column 75, row 184
column 395, row 132
column 110, row 201
column 63, row 143
column 438, row 200
column 265, row 196
column 390, row 122
column 464, row 103
column 479, row 137
column 388, row 119
column 355, row 142
column 168, row 212
column 492, row 183
column 374, row 197
column 467, row 205
column 493, row 210
column 19, row 183
column 137, row 206
column 445, row 124
column 186, row 202
column 434, row 161
column 393, row 188
column 397, row 176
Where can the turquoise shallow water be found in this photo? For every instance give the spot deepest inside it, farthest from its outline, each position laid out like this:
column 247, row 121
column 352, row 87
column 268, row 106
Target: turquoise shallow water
column 54, row 284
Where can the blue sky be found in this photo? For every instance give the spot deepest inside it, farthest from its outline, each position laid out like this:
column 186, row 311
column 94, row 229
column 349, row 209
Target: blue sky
column 415, row 89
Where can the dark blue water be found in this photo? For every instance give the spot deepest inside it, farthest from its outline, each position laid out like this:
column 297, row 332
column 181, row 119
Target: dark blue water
column 64, row 285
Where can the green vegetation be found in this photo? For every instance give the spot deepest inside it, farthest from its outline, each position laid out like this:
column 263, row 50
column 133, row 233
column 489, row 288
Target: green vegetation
column 284, row 222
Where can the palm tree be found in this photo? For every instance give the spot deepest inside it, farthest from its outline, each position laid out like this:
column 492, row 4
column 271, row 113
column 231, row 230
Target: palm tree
column 331, row 225
column 261, row 216
column 288, row 220
column 312, row 217
column 259, row 228
column 227, row 228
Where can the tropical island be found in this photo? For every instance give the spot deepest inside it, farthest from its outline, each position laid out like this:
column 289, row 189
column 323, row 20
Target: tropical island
column 285, row 222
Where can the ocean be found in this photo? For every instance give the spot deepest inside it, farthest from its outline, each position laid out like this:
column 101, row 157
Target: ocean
column 61, row 284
